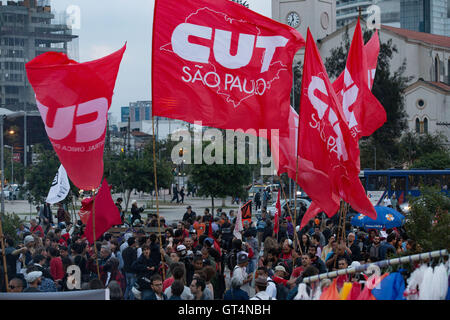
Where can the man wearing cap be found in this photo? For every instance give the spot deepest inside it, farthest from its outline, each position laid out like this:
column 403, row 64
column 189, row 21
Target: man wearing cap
column 240, row 271
column 33, row 279
column 260, row 289
column 189, row 214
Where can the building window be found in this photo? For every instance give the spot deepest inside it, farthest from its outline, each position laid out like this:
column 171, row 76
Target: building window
column 425, row 125
column 436, row 69
column 417, row 125
column 420, row 103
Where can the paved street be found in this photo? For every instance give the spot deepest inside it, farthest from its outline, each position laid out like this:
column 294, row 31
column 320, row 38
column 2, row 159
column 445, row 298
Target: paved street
column 170, row 211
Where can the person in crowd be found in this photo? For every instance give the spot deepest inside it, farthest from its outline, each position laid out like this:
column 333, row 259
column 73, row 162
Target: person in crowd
column 177, row 289
column 260, row 290
column 156, row 292
column 197, row 287
column 235, row 292
column 135, row 213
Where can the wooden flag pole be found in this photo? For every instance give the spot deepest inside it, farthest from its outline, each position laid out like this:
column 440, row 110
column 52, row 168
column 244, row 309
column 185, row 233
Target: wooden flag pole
column 5, row 268
column 156, row 194
column 93, row 230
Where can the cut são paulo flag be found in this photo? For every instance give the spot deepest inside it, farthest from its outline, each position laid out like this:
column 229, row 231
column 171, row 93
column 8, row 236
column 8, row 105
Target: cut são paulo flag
column 220, row 64
column 284, row 149
column 328, row 154
column 73, row 100
column 363, row 112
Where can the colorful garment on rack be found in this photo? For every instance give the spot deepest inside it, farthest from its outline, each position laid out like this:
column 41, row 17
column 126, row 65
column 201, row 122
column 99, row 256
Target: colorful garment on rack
column 346, row 288
column 330, row 293
column 355, row 292
column 390, row 288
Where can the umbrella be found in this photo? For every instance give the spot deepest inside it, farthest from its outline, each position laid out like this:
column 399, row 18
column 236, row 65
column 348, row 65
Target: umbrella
column 386, row 218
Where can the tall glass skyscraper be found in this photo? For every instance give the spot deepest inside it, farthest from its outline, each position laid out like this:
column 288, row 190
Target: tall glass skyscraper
column 347, row 11
column 431, row 16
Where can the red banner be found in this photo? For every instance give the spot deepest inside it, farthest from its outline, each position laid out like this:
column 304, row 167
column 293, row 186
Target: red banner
column 73, row 99
column 328, row 154
column 220, row 63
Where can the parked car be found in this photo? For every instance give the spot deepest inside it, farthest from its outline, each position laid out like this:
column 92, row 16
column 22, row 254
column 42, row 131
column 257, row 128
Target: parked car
column 283, row 203
column 14, row 192
column 254, row 189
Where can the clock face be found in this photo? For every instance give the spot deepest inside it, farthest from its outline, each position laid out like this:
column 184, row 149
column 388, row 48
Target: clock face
column 293, row 19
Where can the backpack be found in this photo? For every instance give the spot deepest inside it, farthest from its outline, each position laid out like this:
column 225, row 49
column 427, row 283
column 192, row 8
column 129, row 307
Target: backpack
column 282, row 291
column 231, row 259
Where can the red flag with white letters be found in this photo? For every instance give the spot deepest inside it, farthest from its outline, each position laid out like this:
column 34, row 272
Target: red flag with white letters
column 362, row 110
column 73, row 99
column 221, row 64
column 328, row 154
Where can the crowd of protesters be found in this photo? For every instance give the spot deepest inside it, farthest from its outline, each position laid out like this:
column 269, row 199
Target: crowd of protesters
column 197, row 258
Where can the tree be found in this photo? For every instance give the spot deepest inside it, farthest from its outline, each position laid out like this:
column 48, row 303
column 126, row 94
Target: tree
column 221, row 180
column 388, row 89
column 134, row 171
column 40, row 176
column 424, row 151
column 428, row 222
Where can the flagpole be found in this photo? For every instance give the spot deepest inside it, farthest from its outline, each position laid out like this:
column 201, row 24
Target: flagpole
column 2, row 240
column 156, row 194
column 93, row 230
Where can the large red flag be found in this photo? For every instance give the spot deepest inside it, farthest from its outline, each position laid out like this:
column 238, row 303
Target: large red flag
column 328, row 154
column 363, row 111
column 106, row 213
column 73, row 99
column 220, row 63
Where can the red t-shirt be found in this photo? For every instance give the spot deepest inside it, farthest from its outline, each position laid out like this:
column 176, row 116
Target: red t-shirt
column 56, row 268
column 297, row 272
column 36, row 229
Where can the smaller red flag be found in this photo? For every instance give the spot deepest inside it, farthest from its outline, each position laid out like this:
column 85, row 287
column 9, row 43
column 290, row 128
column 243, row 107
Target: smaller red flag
column 106, row 213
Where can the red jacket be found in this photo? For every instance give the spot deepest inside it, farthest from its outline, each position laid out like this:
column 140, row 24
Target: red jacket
column 56, row 268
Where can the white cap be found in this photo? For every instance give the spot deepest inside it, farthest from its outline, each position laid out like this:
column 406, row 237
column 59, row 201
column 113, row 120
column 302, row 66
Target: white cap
column 181, row 247
column 33, row 276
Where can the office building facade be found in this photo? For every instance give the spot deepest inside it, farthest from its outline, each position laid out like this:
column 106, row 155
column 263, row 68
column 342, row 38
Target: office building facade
column 26, row 31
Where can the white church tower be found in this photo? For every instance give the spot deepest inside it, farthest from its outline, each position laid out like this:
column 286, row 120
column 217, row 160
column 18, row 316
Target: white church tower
column 318, row 15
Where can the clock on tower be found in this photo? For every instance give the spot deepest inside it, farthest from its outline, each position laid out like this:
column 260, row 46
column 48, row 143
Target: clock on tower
column 318, row 15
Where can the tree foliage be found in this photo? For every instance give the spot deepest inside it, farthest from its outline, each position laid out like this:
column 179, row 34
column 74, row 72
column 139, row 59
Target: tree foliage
column 424, row 151
column 221, row 180
column 428, row 222
column 40, row 175
column 134, row 171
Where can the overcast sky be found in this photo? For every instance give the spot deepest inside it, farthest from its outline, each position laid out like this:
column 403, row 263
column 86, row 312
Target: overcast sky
column 104, row 28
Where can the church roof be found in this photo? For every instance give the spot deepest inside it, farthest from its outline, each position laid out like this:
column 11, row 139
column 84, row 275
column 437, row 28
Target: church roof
column 429, row 38
column 426, row 38
column 437, row 86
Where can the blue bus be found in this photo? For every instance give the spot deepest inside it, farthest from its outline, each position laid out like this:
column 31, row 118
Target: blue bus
column 381, row 183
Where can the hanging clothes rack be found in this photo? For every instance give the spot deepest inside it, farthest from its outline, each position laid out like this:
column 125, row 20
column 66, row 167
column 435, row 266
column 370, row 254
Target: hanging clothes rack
column 381, row 264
